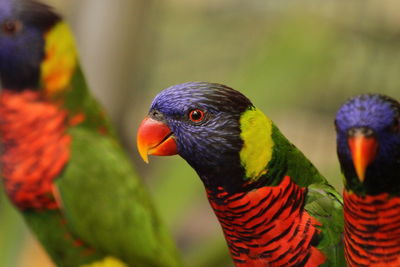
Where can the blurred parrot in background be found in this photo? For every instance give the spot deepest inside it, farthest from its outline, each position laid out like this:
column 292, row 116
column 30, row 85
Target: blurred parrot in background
column 273, row 205
column 368, row 146
column 62, row 166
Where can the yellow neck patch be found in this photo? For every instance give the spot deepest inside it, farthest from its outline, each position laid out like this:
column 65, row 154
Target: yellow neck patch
column 107, row 262
column 257, row 147
column 60, row 59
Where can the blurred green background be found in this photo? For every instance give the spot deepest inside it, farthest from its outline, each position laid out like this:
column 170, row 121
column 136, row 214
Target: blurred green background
column 296, row 60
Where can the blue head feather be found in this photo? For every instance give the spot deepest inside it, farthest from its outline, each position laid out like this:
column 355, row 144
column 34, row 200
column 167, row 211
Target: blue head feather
column 211, row 146
column 23, row 24
column 380, row 114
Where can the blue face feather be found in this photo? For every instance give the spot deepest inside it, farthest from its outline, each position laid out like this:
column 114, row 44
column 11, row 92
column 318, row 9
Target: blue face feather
column 7, row 8
column 379, row 116
column 212, row 144
column 23, row 24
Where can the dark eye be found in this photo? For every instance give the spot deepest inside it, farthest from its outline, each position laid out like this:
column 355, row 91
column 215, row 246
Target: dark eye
column 11, row 27
column 196, row 115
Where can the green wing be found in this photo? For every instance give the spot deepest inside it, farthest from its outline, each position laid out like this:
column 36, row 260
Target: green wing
column 323, row 202
column 107, row 207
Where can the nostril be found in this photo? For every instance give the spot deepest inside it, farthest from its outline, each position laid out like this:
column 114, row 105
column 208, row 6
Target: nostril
column 364, row 131
column 351, row 132
column 155, row 114
column 367, row 131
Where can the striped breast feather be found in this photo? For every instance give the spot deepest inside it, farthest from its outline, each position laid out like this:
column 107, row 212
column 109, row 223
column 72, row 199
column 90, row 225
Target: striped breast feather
column 269, row 226
column 372, row 230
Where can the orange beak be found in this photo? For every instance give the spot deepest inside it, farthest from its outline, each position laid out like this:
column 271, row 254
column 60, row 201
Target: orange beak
column 363, row 151
column 155, row 138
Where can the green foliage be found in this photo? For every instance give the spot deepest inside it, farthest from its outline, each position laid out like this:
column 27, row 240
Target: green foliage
column 296, row 56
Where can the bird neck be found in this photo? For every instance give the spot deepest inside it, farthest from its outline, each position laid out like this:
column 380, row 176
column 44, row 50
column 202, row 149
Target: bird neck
column 261, row 225
column 257, row 148
column 20, row 66
column 18, row 75
column 285, row 159
column 60, row 60
column 62, row 80
column 371, row 218
column 245, row 167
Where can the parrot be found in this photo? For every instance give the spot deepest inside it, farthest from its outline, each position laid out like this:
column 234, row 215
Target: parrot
column 368, row 148
column 273, row 205
column 62, row 166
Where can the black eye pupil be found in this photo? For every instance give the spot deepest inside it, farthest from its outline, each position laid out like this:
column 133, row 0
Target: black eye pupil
column 196, row 115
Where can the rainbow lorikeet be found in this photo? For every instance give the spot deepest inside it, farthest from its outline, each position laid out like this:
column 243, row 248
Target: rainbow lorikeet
column 368, row 146
column 62, row 166
column 274, row 207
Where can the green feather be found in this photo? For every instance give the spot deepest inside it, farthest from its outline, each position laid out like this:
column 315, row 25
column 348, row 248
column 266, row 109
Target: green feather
column 104, row 203
column 265, row 144
column 323, row 202
column 57, row 240
column 107, row 206
column 107, row 215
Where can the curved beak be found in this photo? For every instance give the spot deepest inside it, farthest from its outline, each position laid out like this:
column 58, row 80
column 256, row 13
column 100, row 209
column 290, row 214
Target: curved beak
column 363, row 149
column 155, row 138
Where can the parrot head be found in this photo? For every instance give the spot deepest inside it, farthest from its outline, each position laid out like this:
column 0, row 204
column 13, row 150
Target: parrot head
column 23, row 24
column 368, row 143
column 204, row 123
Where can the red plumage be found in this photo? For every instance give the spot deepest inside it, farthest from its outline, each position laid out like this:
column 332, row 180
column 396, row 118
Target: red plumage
column 372, row 230
column 32, row 159
column 268, row 226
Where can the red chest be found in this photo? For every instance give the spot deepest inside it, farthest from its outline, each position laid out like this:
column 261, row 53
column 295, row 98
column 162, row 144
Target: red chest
column 372, row 230
column 268, row 226
column 35, row 148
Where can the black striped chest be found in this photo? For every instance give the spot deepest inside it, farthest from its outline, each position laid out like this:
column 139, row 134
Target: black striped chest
column 268, row 226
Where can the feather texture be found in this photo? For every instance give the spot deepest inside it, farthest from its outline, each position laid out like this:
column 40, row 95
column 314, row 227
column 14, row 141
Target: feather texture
column 273, row 205
column 62, row 165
